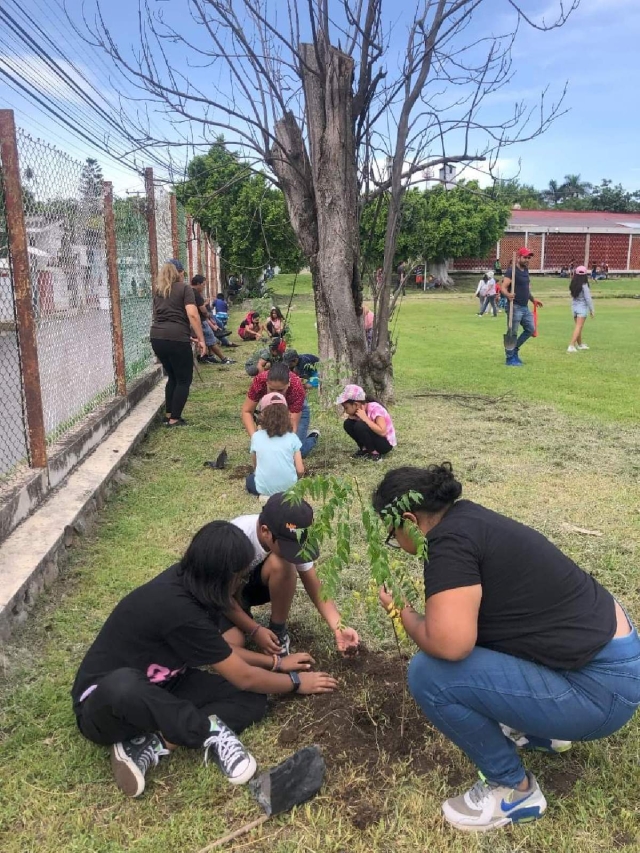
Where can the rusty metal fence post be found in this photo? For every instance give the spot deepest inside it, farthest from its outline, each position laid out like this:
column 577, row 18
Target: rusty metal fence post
column 114, row 290
column 175, row 240
column 19, row 257
column 206, row 266
column 190, row 246
column 151, row 220
column 199, row 248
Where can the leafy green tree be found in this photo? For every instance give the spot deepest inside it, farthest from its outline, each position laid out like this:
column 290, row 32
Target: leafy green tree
column 614, row 198
column 246, row 216
column 553, row 193
column 514, row 193
column 574, row 187
column 439, row 224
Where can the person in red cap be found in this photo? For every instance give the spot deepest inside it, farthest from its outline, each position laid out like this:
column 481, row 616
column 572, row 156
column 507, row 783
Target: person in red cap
column 520, row 294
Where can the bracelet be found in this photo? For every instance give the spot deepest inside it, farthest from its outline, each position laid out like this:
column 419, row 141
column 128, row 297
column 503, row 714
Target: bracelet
column 254, row 632
column 277, row 660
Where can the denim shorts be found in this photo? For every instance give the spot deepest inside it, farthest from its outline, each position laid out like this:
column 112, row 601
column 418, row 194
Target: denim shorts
column 579, row 309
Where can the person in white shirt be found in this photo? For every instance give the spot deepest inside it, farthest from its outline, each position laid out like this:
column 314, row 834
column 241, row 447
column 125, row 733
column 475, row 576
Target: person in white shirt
column 278, row 538
column 490, row 296
column 480, row 291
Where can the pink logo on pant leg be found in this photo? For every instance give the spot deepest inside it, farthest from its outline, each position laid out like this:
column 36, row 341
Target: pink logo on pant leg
column 158, row 674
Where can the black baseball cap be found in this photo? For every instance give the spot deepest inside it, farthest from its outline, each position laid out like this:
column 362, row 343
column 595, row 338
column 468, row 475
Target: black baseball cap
column 285, row 520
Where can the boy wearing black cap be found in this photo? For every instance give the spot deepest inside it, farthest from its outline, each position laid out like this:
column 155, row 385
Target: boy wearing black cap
column 273, row 577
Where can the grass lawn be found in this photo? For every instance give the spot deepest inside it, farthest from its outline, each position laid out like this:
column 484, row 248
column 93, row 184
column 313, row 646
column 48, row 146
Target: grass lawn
column 558, row 448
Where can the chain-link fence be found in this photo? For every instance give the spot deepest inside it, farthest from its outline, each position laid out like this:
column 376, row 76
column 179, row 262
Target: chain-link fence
column 13, row 442
column 64, row 219
column 72, row 345
column 134, row 275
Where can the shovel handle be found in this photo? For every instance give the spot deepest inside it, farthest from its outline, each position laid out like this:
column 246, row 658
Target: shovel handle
column 220, row 842
column 513, row 290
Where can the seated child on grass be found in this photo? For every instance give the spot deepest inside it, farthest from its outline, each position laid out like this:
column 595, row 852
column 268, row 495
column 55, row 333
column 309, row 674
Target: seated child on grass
column 275, row 449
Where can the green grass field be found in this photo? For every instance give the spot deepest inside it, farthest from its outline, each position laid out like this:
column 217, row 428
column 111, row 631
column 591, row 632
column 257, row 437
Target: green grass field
column 554, row 444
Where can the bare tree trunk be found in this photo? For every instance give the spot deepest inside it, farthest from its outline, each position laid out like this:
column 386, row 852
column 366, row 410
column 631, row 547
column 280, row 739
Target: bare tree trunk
column 328, row 76
column 440, row 269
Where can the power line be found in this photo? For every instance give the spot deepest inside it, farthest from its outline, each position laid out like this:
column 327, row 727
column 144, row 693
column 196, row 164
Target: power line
column 94, row 121
column 69, row 35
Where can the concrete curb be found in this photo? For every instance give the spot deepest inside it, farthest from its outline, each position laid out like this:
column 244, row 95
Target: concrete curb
column 20, row 499
column 33, row 554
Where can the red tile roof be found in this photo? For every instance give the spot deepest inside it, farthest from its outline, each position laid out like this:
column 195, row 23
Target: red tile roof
column 573, row 219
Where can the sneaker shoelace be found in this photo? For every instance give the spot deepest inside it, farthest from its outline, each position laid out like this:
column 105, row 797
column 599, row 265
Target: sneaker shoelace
column 150, row 755
column 227, row 747
column 480, row 792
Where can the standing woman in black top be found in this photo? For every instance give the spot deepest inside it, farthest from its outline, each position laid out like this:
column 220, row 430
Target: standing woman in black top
column 174, row 315
column 519, row 647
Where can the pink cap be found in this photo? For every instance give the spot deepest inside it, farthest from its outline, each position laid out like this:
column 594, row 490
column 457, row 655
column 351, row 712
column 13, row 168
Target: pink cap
column 270, row 399
column 352, row 392
column 581, row 271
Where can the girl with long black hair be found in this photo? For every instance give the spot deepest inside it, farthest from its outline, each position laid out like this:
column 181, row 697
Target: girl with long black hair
column 140, row 689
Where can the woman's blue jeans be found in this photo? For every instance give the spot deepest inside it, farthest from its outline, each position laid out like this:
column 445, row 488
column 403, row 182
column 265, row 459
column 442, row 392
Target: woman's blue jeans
column 308, row 442
column 466, row 700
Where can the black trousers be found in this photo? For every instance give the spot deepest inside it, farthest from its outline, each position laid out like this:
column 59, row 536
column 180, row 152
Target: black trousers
column 365, row 437
column 126, row 704
column 177, row 359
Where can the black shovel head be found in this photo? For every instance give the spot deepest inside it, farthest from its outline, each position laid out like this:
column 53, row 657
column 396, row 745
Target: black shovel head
column 292, row 782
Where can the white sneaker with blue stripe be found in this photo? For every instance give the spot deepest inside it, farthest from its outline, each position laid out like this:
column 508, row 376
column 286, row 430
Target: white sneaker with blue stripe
column 488, row 806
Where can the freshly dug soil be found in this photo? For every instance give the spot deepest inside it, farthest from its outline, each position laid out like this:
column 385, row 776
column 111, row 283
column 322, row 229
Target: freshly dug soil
column 371, row 724
column 373, row 727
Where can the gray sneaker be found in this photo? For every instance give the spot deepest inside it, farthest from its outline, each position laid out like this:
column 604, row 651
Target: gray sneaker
column 488, row 806
column 130, row 760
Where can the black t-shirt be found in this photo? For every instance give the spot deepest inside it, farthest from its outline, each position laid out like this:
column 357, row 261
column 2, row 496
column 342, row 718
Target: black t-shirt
column 306, row 366
column 522, row 285
column 160, row 629
column 170, row 321
column 537, row 604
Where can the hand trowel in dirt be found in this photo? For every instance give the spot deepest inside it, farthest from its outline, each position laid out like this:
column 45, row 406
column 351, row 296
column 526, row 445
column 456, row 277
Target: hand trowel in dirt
column 278, row 790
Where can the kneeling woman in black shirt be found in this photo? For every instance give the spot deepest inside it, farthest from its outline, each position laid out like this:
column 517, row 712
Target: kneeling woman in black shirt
column 140, row 688
column 519, row 646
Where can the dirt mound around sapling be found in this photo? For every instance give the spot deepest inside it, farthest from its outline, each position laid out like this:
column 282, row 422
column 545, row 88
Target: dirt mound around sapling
column 371, row 728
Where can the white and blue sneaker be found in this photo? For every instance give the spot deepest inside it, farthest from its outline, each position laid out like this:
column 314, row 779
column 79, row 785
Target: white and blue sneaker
column 487, row 806
column 539, row 744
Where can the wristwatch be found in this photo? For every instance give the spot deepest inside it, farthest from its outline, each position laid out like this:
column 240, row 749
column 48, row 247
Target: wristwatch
column 295, row 680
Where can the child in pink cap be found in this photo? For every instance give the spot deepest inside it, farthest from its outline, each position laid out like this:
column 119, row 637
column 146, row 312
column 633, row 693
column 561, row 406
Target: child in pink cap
column 275, row 449
column 368, row 423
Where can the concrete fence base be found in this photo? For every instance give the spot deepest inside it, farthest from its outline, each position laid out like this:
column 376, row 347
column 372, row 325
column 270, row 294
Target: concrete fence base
column 33, row 553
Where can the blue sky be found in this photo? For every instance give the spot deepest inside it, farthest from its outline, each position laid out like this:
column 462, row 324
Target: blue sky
column 595, row 52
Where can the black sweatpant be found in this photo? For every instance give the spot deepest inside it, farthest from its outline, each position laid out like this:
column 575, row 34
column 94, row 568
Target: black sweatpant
column 177, row 359
column 365, row 437
column 126, row 704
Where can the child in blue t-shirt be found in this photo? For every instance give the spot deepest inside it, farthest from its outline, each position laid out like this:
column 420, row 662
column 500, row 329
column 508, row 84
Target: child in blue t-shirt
column 275, row 449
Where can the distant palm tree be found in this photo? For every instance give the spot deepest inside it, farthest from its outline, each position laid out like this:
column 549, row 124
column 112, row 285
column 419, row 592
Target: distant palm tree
column 553, row 193
column 573, row 187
